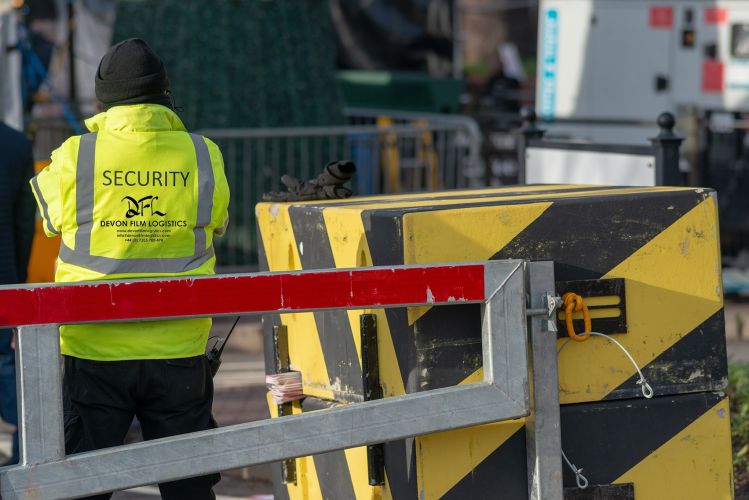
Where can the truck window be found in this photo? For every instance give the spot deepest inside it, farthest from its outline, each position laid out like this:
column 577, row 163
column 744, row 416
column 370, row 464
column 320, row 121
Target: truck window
column 740, row 41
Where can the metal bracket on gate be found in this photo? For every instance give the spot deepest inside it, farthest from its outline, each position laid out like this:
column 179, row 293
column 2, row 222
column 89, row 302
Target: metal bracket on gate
column 372, row 390
column 550, row 303
column 606, row 300
column 283, row 364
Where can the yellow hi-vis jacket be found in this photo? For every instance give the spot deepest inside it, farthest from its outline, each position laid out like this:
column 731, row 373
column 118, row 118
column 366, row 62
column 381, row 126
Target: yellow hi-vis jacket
column 137, row 197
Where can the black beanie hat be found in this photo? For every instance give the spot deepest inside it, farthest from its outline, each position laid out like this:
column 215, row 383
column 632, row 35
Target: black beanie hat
column 131, row 73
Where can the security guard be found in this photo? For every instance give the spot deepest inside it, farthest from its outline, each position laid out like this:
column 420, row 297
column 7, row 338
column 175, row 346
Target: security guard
column 137, row 197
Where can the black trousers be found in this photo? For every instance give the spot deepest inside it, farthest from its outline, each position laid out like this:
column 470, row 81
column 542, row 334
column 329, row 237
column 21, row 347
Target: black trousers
column 169, row 397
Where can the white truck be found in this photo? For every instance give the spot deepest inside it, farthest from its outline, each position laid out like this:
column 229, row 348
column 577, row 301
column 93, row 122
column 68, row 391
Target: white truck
column 606, row 68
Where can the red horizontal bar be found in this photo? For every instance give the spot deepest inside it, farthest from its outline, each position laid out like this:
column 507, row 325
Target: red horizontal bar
column 242, row 293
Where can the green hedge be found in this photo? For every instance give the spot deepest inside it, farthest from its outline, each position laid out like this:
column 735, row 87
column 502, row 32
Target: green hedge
column 242, row 63
column 738, row 393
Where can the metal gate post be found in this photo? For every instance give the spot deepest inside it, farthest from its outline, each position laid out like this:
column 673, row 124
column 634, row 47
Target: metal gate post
column 542, row 430
column 667, row 156
column 39, row 383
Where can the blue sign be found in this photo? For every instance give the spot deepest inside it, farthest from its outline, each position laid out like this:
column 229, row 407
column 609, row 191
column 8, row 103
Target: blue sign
column 549, row 48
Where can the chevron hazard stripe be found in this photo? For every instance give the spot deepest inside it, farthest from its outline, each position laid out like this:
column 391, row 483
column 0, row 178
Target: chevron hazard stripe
column 676, row 447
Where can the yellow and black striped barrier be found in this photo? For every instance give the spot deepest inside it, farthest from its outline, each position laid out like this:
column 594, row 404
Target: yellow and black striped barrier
column 661, row 242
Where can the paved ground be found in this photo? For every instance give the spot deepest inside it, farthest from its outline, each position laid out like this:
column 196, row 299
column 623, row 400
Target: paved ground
column 240, row 397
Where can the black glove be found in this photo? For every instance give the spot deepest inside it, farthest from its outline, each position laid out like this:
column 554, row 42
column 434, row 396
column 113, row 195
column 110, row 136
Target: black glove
column 327, row 186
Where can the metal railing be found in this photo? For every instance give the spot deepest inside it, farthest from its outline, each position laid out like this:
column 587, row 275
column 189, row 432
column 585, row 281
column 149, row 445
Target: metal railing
column 723, row 164
column 390, row 158
column 47, row 135
column 394, row 152
column 467, row 136
column 502, row 286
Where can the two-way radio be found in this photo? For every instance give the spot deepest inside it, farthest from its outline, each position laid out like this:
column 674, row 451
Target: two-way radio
column 214, row 355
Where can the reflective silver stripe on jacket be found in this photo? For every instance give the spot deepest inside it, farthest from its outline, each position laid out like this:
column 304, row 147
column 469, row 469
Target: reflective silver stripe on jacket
column 81, row 256
column 45, row 207
column 109, row 265
column 84, row 193
column 205, row 191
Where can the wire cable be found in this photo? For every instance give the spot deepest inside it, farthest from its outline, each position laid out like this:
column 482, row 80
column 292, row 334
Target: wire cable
column 645, row 388
column 582, row 481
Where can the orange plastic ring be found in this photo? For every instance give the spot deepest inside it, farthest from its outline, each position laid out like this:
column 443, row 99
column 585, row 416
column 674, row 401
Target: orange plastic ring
column 575, row 303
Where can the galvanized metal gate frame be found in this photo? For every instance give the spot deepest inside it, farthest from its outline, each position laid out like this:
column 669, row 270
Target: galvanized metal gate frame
column 503, row 287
